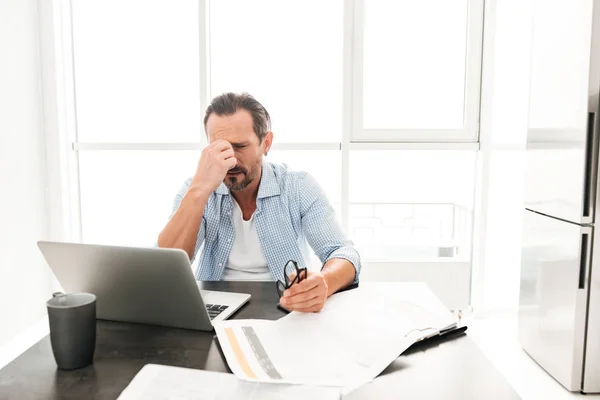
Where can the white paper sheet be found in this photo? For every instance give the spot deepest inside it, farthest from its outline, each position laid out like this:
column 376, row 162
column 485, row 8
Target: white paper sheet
column 159, row 382
column 351, row 341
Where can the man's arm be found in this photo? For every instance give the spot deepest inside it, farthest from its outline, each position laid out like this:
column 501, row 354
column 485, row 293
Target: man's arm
column 181, row 232
column 341, row 262
column 339, row 273
column 325, row 236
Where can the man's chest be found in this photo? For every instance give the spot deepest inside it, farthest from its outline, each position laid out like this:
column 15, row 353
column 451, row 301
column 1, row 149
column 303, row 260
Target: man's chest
column 273, row 219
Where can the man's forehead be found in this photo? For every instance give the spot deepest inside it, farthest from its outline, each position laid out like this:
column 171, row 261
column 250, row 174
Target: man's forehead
column 241, row 120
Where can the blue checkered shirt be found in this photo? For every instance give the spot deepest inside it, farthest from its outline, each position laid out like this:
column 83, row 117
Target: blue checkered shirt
column 291, row 210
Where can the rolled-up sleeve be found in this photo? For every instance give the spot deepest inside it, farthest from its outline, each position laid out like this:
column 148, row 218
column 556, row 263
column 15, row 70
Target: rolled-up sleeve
column 176, row 203
column 320, row 227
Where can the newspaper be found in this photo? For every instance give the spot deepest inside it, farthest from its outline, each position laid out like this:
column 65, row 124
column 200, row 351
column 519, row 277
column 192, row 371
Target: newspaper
column 351, row 341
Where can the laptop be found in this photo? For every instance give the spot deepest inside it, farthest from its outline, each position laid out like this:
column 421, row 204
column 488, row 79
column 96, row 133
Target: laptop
column 143, row 285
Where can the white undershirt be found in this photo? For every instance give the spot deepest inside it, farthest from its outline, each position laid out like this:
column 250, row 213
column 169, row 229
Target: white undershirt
column 246, row 261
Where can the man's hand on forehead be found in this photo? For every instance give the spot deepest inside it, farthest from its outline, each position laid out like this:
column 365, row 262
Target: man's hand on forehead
column 217, row 158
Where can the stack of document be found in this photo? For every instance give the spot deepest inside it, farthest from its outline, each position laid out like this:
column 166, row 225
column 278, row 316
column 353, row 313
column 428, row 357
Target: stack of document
column 351, row 341
column 158, row 382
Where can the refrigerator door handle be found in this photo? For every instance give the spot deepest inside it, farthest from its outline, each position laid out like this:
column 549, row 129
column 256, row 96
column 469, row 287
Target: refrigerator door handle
column 584, row 259
column 591, row 163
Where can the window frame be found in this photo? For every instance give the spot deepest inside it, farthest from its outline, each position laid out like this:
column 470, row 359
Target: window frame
column 470, row 131
column 353, row 136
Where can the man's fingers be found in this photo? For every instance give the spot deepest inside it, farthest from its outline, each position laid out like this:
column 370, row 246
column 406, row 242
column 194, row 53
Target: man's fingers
column 230, row 162
column 307, row 284
column 220, row 145
column 227, row 154
column 292, row 276
column 298, row 302
column 302, row 296
column 306, row 296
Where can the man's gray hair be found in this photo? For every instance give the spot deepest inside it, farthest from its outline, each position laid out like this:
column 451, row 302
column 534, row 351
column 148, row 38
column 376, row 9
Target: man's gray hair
column 229, row 103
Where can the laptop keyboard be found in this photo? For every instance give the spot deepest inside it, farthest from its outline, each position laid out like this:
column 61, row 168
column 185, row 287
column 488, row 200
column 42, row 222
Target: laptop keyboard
column 215, row 309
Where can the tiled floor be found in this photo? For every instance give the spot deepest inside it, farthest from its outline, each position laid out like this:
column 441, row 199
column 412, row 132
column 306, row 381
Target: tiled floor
column 497, row 337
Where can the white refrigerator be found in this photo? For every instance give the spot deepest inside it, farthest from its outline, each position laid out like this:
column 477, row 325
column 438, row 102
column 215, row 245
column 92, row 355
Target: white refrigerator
column 559, row 305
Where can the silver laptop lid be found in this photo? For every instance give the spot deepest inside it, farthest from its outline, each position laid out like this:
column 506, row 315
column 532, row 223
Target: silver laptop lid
column 144, row 285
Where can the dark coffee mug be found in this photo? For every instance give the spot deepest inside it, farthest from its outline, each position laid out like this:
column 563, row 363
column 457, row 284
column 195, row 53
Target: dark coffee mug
column 72, row 320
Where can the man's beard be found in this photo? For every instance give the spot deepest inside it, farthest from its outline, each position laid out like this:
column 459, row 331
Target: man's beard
column 235, row 184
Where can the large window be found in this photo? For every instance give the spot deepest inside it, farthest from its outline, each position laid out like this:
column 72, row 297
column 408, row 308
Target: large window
column 412, row 205
column 377, row 99
column 127, row 195
column 136, row 71
column 418, row 70
column 286, row 54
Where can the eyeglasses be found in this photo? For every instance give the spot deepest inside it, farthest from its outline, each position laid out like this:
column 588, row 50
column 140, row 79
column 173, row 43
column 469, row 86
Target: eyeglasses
column 291, row 274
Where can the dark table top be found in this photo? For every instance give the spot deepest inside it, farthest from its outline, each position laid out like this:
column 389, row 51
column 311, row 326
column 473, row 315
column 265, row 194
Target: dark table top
column 452, row 368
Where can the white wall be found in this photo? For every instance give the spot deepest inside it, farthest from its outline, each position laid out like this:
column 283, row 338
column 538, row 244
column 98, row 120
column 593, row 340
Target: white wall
column 25, row 280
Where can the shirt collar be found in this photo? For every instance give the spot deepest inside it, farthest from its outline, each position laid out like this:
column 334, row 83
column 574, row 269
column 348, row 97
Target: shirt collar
column 267, row 187
column 222, row 189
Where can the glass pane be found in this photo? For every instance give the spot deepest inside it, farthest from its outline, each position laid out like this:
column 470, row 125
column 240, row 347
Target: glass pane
column 324, row 165
column 286, row 54
column 137, row 70
column 127, row 196
column 412, row 205
column 414, row 64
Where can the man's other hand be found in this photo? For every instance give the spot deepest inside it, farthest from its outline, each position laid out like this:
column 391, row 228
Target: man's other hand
column 308, row 295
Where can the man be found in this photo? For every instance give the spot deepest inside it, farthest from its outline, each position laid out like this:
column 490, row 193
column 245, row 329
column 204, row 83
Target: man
column 254, row 216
